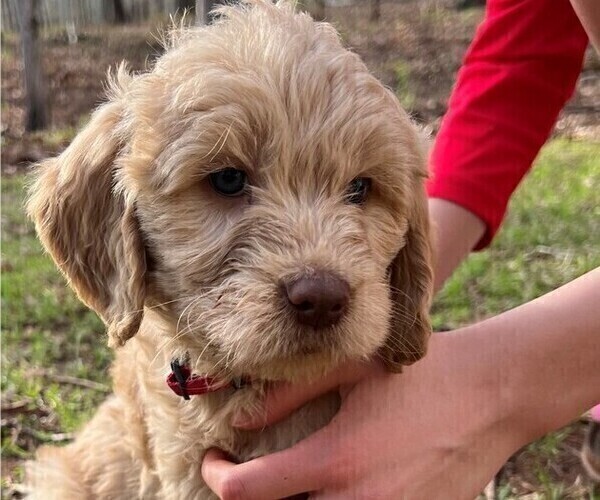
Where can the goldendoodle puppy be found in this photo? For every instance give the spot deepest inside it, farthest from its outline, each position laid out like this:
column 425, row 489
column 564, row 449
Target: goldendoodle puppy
column 250, row 210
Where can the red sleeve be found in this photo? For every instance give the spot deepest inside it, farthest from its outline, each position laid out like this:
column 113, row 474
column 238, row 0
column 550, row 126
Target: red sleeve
column 519, row 71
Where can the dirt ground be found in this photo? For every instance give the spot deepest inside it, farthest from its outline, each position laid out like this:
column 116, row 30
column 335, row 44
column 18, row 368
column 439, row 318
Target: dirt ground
column 416, row 50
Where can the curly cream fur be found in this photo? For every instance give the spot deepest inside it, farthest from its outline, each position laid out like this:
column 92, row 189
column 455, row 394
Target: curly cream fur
column 129, row 216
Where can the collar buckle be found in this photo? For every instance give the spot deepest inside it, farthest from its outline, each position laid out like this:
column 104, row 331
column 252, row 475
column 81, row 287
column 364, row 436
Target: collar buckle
column 185, row 384
column 181, row 376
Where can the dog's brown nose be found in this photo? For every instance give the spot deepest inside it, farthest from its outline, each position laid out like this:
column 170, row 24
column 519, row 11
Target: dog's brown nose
column 319, row 299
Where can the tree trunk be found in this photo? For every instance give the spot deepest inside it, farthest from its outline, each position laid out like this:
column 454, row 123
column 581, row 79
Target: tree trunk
column 203, row 7
column 184, row 5
column 375, row 10
column 35, row 85
column 120, row 14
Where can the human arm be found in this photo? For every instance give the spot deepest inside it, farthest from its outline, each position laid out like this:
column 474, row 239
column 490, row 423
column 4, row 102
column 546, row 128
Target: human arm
column 519, row 71
column 514, row 81
column 456, row 231
column 588, row 12
column 447, row 424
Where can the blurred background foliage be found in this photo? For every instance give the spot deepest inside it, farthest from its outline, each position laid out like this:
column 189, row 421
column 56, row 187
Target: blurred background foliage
column 54, row 356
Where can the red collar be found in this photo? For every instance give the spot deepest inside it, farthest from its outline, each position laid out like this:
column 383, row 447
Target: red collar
column 183, row 383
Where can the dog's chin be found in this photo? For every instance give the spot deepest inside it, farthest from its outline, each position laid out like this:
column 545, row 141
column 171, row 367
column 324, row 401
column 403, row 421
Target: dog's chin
column 301, row 367
column 282, row 352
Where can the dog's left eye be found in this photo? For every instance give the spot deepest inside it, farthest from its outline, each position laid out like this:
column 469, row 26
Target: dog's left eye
column 358, row 190
column 228, row 182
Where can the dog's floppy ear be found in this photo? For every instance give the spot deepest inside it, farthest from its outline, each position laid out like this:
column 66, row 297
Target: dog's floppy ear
column 411, row 282
column 89, row 227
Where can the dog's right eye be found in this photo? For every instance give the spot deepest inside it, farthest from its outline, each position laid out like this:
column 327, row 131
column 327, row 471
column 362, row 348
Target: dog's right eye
column 228, row 182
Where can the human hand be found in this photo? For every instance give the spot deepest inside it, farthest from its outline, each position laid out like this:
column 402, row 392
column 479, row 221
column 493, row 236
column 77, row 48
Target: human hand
column 438, row 430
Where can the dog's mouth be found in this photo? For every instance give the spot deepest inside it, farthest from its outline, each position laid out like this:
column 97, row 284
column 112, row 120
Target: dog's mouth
column 293, row 363
column 301, row 368
column 254, row 331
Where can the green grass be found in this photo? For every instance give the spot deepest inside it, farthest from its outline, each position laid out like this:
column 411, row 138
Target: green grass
column 404, row 90
column 58, row 137
column 46, row 331
column 551, row 235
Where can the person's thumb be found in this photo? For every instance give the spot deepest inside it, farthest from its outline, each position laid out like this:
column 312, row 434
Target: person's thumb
column 309, row 465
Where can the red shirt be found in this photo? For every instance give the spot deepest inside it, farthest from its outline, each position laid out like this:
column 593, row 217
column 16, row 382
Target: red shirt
column 519, row 71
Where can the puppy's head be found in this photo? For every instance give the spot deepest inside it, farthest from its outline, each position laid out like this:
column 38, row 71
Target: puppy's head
column 264, row 187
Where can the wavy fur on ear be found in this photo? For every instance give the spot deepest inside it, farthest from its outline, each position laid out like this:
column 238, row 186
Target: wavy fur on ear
column 411, row 284
column 88, row 226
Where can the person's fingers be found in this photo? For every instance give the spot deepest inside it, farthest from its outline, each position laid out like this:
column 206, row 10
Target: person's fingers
column 283, row 398
column 302, row 468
